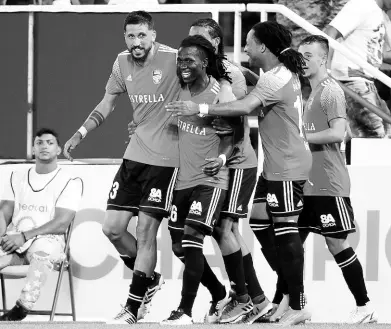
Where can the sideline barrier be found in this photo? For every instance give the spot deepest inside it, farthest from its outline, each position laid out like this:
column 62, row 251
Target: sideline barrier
column 99, row 271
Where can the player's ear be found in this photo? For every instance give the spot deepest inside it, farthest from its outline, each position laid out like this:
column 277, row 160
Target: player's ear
column 205, row 62
column 216, row 43
column 262, row 47
column 59, row 150
column 153, row 35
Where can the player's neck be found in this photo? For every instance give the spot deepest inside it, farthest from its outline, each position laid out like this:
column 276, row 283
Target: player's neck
column 316, row 79
column 198, row 85
column 271, row 63
column 45, row 168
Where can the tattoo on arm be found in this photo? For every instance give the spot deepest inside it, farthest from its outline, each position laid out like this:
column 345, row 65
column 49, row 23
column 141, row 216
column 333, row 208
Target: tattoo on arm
column 97, row 117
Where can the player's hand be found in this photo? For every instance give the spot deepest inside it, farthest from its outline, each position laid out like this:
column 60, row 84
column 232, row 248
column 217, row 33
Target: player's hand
column 184, row 108
column 131, row 128
column 222, row 127
column 71, row 144
column 12, row 242
column 225, row 95
column 213, row 166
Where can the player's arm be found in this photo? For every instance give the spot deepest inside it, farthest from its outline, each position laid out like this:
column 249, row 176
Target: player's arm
column 239, row 107
column 333, row 104
column 225, row 151
column 114, row 87
column 334, row 134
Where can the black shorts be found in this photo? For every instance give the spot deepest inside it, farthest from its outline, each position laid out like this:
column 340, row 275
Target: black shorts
column 139, row 186
column 284, row 198
column 198, row 207
column 327, row 215
column 241, row 186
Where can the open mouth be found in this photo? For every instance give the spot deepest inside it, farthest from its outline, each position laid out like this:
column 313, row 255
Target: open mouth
column 185, row 74
column 137, row 51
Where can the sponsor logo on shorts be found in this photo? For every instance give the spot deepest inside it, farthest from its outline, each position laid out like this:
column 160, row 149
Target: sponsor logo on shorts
column 240, row 208
column 196, row 208
column 299, row 204
column 272, row 200
column 327, row 220
column 155, row 195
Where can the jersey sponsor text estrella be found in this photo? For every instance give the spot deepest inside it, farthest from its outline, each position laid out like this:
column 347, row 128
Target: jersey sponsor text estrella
column 146, row 98
column 190, row 128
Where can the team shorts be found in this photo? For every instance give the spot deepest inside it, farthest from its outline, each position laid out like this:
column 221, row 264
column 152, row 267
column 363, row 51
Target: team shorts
column 284, row 198
column 198, row 207
column 327, row 215
column 241, row 186
column 139, row 186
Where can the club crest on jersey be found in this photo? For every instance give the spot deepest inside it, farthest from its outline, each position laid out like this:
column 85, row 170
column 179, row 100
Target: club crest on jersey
column 157, row 76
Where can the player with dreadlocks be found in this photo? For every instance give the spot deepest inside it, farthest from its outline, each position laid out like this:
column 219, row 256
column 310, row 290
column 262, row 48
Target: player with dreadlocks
column 203, row 177
column 287, row 159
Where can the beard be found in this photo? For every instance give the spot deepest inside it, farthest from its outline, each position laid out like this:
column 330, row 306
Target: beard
column 142, row 59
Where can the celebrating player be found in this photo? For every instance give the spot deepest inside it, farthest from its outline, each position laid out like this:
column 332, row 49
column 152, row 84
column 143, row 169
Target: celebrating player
column 327, row 208
column 145, row 181
column 287, row 158
column 243, row 175
column 37, row 207
column 203, row 179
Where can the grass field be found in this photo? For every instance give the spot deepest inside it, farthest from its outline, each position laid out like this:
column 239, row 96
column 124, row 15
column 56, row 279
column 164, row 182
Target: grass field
column 96, row 325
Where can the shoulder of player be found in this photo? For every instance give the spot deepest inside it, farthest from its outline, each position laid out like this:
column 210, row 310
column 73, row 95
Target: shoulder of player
column 17, row 176
column 166, row 49
column 67, row 179
column 275, row 78
column 214, row 85
column 330, row 90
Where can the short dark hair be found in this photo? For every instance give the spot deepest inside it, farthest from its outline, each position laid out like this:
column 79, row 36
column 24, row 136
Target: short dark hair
column 321, row 40
column 277, row 38
column 216, row 67
column 214, row 30
column 139, row 17
column 47, row 131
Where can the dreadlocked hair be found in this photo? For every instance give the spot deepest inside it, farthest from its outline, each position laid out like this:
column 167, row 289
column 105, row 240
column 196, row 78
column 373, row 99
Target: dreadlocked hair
column 214, row 31
column 216, row 67
column 278, row 39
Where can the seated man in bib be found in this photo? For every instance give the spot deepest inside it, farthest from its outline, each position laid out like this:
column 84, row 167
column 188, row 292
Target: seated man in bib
column 36, row 208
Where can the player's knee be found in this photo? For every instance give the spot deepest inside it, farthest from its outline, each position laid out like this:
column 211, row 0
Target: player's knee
column 177, row 249
column 220, row 233
column 112, row 233
column 336, row 245
column 195, row 232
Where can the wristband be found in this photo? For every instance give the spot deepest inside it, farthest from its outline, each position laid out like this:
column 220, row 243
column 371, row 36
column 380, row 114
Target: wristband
column 224, row 158
column 83, row 131
column 203, row 108
column 24, row 237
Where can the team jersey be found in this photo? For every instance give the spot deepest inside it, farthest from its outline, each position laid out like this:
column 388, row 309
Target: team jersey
column 150, row 88
column 198, row 141
column 286, row 153
column 329, row 175
column 361, row 23
column 36, row 197
column 243, row 156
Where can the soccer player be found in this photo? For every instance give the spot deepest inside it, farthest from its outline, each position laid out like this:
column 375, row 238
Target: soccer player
column 287, row 158
column 144, row 183
column 203, row 179
column 36, row 209
column 243, row 175
column 327, row 208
